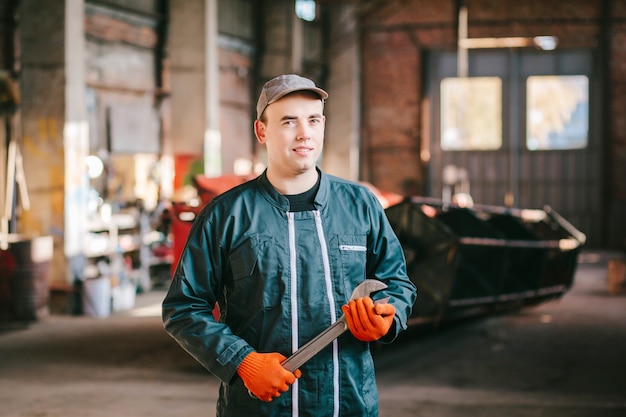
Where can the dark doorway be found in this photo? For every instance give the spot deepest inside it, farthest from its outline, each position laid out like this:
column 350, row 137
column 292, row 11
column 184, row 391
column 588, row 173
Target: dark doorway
column 525, row 134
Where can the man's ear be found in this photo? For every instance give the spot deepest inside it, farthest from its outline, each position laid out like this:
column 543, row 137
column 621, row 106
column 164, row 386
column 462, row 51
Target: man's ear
column 259, row 131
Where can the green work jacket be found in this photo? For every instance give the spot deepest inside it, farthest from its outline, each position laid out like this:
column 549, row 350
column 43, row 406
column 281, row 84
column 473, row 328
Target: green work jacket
column 280, row 278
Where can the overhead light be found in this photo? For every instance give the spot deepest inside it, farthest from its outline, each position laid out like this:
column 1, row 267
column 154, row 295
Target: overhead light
column 547, row 43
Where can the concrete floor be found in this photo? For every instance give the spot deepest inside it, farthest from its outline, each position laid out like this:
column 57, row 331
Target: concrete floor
column 564, row 358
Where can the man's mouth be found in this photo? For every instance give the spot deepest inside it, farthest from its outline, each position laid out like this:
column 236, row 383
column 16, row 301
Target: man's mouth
column 303, row 150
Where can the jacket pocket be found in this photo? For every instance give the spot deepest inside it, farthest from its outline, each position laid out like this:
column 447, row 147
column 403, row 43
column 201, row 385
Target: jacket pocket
column 256, row 281
column 353, row 257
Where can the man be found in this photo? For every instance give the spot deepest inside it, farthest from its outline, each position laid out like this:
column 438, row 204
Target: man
column 281, row 255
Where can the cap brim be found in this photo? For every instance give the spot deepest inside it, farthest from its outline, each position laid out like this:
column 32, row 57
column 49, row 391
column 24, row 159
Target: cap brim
column 323, row 94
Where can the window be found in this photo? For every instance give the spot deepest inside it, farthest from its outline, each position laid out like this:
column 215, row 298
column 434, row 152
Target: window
column 305, row 10
column 557, row 112
column 471, row 113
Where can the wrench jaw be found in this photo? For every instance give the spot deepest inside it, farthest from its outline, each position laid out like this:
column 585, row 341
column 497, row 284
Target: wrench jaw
column 367, row 288
column 383, row 300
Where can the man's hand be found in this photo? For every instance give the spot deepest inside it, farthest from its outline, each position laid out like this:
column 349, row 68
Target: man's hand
column 264, row 376
column 368, row 321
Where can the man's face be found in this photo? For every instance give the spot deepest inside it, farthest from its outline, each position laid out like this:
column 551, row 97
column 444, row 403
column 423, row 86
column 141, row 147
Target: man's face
column 293, row 133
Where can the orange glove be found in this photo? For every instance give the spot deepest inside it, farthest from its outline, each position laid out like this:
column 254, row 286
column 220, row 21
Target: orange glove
column 264, row 376
column 368, row 321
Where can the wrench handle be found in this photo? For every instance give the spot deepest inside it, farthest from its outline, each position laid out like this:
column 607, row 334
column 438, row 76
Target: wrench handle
column 315, row 345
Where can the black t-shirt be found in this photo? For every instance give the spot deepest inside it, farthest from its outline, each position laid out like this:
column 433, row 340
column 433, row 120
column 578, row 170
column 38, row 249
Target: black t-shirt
column 303, row 201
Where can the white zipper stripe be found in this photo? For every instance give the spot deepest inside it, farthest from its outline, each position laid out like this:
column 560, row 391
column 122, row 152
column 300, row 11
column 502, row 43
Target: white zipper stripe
column 333, row 313
column 294, row 305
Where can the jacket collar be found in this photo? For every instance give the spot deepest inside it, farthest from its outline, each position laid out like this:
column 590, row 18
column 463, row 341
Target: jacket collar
column 280, row 201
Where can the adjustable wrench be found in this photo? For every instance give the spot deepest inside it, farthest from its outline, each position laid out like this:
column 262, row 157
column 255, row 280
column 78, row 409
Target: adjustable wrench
column 306, row 352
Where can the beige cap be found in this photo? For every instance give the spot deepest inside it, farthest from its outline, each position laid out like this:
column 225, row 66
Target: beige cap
column 278, row 87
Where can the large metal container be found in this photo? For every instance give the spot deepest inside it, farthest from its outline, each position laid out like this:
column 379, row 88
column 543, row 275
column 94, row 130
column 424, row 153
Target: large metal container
column 473, row 260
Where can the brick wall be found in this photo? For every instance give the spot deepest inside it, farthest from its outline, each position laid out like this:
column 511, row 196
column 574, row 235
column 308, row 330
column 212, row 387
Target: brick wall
column 616, row 130
column 617, row 83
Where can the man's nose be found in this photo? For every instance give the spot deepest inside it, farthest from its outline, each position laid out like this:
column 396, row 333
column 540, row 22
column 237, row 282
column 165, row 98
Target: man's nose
column 303, row 132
